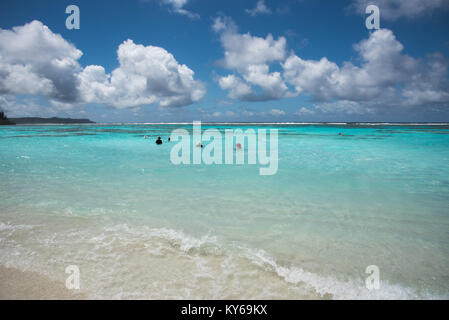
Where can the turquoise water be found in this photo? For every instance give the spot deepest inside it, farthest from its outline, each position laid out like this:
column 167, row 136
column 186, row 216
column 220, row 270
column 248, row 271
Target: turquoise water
column 111, row 202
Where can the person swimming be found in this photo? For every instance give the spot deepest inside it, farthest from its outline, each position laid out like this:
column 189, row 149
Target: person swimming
column 169, row 139
column 158, row 141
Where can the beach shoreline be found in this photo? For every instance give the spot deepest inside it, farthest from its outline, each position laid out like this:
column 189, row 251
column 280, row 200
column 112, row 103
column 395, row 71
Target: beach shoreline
column 27, row 285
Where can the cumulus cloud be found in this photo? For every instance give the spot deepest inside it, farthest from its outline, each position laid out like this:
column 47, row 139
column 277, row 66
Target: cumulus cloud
column 238, row 89
column 386, row 76
column 250, row 58
column 394, row 9
column 36, row 61
column 260, row 8
column 244, row 50
column 430, row 84
column 177, row 6
column 146, row 75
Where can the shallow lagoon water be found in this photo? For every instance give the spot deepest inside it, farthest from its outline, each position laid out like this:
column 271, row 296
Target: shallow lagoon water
column 104, row 198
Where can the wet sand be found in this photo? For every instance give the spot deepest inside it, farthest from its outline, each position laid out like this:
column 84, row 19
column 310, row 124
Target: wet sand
column 19, row 285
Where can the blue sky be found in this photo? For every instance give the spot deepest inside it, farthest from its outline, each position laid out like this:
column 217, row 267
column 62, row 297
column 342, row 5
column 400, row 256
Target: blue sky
column 249, row 60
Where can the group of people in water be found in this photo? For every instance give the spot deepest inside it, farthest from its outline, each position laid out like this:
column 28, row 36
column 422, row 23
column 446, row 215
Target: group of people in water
column 200, row 145
column 238, row 146
column 159, row 141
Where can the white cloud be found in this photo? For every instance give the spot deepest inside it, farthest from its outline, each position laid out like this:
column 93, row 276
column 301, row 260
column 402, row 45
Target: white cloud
column 386, row 76
column 146, row 75
column 178, row 7
column 430, row 85
column 394, row 9
column 223, row 23
column 36, row 61
column 310, row 76
column 272, row 83
column 250, row 57
column 31, row 106
column 304, row 111
column 13, row 107
column 244, row 50
column 260, row 8
column 238, row 89
column 276, row 112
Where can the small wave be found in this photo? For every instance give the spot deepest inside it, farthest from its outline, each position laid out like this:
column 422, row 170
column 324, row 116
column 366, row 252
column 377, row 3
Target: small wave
column 177, row 238
column 181, row 265
column 321, row 285
column 337, row 289
column 8, row 226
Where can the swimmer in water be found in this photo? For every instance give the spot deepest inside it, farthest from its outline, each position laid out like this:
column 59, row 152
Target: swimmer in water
column 199, row 145
column 145, row 137
column 238, row 146
column 158, row 141
column 169, row 139
column 340, row 134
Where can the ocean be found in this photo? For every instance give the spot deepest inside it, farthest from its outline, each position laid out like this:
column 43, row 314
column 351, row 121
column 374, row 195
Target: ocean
column 107, row 200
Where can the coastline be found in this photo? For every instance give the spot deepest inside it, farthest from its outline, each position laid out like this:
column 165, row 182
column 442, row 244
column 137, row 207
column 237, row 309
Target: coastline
column 28, row 285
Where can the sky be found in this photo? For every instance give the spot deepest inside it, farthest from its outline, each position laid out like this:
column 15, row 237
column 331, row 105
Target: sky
column 220, row 61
